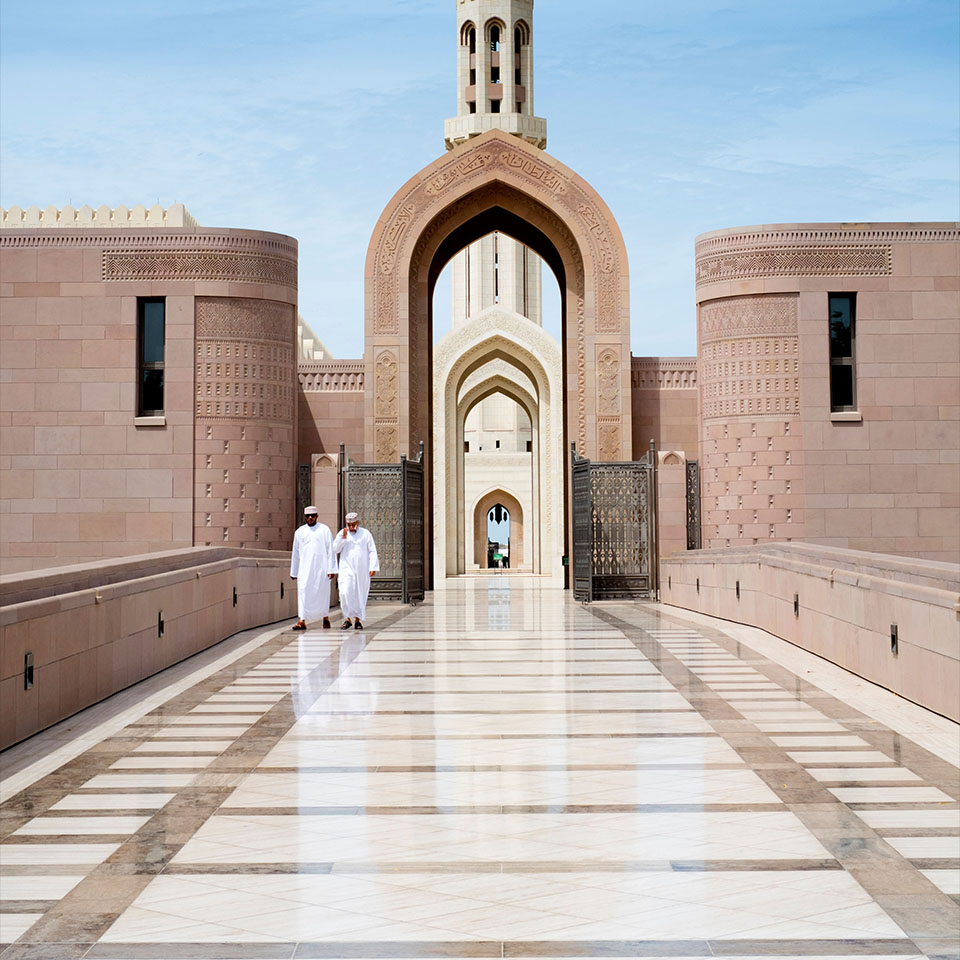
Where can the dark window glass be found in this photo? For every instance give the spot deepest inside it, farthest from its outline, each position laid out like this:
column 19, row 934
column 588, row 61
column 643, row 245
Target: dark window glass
column 494, row 38
column 151, row 336
column 841, row 327
column 151, row 390
column 843, row 370
column 153, row 323
column 841, row 387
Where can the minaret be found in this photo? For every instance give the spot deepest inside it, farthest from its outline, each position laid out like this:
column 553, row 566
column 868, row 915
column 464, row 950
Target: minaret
column 495, row 72
column 495, row 92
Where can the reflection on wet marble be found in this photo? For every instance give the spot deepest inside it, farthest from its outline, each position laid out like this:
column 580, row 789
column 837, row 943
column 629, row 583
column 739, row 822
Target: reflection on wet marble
column 498, row 772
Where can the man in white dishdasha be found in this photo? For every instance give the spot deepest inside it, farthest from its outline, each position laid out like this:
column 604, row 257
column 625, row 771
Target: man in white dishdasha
column 313, row 565
column 358, row 563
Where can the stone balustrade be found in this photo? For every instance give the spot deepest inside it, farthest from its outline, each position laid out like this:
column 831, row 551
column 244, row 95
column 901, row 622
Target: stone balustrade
column 840, row 604
column 93, row 629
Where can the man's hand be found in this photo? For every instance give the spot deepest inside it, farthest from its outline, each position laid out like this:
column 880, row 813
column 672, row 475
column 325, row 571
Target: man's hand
column 373, row 573
column 330, row 576
column 343, row 533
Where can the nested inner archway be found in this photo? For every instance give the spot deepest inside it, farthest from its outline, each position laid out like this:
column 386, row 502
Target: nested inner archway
column 497, row 183
column 483, row 507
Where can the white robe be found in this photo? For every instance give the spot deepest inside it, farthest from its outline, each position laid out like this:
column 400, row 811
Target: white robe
column 358, row 556
column 312, row 563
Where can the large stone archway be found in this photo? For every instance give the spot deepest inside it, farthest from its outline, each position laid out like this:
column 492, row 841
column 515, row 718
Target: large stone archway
column 498, row 351
column 497, row 182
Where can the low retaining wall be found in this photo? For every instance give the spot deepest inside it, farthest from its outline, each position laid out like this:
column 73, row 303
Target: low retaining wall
column 847, row 602
column 95, row 628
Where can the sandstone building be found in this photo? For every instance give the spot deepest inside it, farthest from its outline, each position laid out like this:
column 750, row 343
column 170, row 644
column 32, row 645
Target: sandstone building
column 156, row 394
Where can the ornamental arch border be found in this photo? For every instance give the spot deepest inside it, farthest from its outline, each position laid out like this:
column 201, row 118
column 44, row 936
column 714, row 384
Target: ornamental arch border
column 496, row 181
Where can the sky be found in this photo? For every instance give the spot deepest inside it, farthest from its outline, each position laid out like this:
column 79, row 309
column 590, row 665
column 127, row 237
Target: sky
column 305, row 116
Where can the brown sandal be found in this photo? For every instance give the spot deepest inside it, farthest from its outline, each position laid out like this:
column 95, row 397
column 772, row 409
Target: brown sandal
column 299, row 625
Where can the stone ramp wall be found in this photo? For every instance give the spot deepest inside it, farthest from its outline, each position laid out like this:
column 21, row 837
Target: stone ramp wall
column 93, row 629
column 847, row 601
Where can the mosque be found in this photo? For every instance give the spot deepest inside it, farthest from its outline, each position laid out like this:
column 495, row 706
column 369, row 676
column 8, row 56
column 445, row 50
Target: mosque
column 665, row 658
column 167, row 414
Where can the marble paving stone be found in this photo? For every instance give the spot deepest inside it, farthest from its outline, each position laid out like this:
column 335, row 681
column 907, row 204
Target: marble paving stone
column 497, row 772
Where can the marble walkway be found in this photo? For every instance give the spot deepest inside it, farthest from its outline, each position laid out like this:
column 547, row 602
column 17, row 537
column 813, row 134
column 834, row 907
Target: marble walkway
column 499, row 772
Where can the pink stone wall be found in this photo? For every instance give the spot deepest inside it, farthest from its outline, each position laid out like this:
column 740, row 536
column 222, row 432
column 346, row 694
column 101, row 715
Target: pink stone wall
column 245, row 422
column 79, row 478
column 93, row 629
column 777, row 465
column 330, row 399
column 664, row 399
column 846, row 603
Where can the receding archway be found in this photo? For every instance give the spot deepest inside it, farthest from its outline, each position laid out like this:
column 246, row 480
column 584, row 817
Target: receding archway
column 480, row 511
column 497, row 182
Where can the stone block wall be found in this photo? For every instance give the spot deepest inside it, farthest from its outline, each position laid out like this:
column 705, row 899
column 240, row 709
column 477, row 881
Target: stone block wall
column 94, row 629
column 664, row 399
column 777, row 463
column 330, row 408
column 82, row 477
column 840, row 605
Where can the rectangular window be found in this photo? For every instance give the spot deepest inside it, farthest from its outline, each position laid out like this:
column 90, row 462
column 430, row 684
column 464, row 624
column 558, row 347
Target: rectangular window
column 843, row 371
column 151, row 336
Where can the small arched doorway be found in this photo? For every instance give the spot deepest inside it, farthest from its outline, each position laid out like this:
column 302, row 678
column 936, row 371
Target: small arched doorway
column 481, row 523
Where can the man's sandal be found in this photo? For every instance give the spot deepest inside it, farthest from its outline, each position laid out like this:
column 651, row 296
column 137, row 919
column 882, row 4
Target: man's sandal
column 299, row 625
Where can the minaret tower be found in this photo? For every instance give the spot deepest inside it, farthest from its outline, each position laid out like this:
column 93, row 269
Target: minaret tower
column 495, row 92
column 495, row 72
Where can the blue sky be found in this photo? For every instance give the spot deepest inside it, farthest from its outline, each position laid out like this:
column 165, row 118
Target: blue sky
column 304, row 117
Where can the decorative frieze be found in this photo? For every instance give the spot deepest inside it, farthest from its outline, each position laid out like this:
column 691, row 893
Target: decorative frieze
column 663, row 373
column 345, row 376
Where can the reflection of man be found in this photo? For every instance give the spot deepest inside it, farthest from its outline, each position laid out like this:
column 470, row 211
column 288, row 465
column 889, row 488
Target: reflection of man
column 358, row 563
column 313, row 565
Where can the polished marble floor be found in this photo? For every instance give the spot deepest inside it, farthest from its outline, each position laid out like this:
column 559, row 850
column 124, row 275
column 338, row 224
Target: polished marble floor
column 499, row 772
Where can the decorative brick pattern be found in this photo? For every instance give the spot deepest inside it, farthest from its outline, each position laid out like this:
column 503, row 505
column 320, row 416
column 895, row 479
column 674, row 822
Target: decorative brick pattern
column 749, row 357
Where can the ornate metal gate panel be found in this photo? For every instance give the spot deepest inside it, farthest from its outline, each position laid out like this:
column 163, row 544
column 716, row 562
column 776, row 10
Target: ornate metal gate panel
column 389, row 499
column 693, row 505
column 582, row 530
column 304, row 490
column 413, row 543
column 614, row 530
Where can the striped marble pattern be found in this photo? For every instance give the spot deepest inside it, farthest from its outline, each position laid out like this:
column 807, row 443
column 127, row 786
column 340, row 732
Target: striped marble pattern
column 498, row 772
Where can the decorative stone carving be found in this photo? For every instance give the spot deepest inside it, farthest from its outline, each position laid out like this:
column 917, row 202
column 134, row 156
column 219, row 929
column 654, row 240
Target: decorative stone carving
column 330, row 375
column 659, row 373
column 749, row 357
column 549, row 197
column 188, row 265
column 387, row 444
column 608, row 381
column 245, row 358
column 385, row 384
column 244, row 319
column 608, row 440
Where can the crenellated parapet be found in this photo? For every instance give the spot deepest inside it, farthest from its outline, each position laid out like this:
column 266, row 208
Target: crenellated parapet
column 33, row 218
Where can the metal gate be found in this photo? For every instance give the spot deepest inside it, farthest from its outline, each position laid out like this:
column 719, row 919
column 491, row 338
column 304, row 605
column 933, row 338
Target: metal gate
column 693, row 505
column 389, row 499
column 614, row 529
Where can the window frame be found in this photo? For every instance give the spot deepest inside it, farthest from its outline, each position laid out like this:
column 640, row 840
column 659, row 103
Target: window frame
column 845, row 361
column 143, row 365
